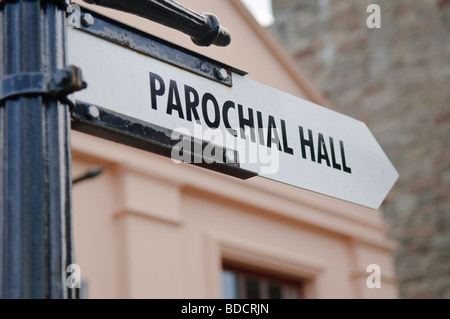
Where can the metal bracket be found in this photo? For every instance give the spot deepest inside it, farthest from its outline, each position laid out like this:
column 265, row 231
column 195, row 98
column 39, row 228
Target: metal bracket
column 59, row 85
column 152, row 46
column 113, row 126
column 204, row 29
column 62, row 3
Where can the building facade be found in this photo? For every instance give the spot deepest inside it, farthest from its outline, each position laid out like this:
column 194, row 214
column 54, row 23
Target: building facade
column 148, row 227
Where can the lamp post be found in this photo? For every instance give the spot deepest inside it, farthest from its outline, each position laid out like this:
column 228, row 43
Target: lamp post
column 35, row 183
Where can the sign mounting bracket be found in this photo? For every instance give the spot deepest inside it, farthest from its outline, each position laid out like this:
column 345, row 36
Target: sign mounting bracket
column 113, row 126
column 204, row 29
column 152, row 46
column 60, row 84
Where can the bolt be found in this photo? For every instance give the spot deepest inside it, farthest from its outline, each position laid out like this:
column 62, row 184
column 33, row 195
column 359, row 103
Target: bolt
column 229, row 156
column 93, row 112
column 222, row 74
column 87, row 20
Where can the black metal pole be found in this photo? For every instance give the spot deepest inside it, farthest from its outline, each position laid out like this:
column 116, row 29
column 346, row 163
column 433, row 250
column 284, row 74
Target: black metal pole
column 204, row 28
column 35, row 244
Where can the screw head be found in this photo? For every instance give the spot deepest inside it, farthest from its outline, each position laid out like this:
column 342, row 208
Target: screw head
column 222, row 74
column 87, row 20
column 93, row 112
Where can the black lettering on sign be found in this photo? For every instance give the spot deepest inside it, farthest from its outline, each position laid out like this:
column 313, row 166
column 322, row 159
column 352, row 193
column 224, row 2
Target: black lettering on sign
column 272, row 128
column 173, row 93
column 212, row 114
column 209, row 97
column 192, row 101
column 322, row 153
column 260, row 128
column 344, row 164
column 226, row 106
column 286, row 147
column 307, row 142
column 243, row 122
column 333, row 155
column 154, row 91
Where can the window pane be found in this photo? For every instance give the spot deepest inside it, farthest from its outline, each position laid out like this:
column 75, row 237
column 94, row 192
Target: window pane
column 252, row 288
column 229, row 285
column 245, row 283
column 275, row 291
column 292, row 292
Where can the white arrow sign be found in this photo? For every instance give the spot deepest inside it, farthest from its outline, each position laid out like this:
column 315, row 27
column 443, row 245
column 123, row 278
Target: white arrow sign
column 277, row 135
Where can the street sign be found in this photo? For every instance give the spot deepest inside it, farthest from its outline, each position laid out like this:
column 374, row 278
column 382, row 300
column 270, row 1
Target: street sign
column 265, row 131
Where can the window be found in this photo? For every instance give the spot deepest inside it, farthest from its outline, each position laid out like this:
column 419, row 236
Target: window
column 244, row 283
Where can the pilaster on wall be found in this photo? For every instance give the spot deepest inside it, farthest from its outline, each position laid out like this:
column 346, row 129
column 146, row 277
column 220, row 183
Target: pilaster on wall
column 148, row 196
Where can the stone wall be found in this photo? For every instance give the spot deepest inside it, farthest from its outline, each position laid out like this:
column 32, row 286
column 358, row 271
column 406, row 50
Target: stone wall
column 397, row 80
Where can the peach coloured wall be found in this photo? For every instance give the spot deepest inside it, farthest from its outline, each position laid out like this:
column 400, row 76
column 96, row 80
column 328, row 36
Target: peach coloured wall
column 150, row 228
